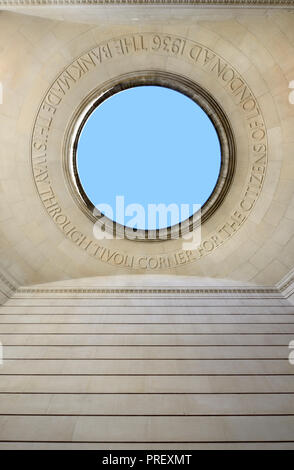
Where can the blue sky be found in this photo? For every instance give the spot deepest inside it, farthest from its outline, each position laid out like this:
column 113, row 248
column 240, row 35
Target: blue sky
column 149, row 144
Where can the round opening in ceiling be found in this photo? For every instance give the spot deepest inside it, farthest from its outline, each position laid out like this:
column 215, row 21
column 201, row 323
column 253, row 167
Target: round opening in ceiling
column 148, row 157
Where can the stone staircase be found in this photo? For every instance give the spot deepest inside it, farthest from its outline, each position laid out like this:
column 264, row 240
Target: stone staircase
column 123, row 371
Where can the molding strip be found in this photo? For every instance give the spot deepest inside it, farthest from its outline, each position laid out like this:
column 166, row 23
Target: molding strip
column 151, row 291
column 283, row 289
column 10, row 286
column 286, row 285
column 194, row 3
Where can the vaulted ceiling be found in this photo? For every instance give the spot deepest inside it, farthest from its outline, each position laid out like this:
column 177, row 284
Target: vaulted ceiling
column 39, row 44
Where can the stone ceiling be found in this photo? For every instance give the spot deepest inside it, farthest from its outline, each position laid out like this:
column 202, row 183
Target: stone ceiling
column 249, row 239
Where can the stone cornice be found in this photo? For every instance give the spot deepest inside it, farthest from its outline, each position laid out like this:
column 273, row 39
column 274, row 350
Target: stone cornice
column 7, row 288
column 7, row 283
column 282, row 289
column 213, row 291
column 194, row 3
column 286, row 285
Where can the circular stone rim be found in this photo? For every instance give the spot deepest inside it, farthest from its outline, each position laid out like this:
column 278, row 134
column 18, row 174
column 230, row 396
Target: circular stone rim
column 168, row 80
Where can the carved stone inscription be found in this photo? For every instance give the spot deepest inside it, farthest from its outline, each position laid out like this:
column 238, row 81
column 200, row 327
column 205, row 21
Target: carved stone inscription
column 183, row 49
